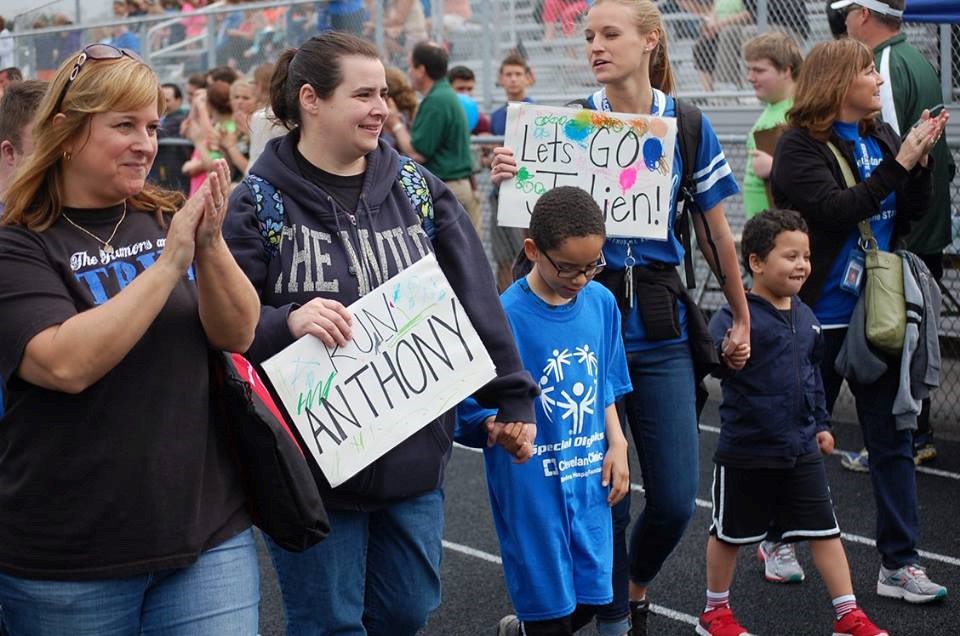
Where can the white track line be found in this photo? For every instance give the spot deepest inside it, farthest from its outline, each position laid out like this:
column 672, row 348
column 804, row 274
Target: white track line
column 853, row 538
column 493, row 558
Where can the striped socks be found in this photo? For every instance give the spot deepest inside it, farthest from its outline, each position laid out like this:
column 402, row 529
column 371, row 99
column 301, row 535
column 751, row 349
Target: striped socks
column 719, row 599
column 844, row 605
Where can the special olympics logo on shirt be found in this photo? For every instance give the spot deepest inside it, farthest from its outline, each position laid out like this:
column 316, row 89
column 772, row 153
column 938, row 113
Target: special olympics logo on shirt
column 568, row 384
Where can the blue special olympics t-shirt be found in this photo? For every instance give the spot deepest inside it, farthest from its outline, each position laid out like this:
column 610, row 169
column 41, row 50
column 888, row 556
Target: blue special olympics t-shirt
column 835, row 306
column 551, row 513
column 714, row 182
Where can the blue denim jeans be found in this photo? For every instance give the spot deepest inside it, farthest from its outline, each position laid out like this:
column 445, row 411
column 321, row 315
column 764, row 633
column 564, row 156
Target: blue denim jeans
column 662, row 415
column 377, row 573
column 219, row 594
column 892, row 471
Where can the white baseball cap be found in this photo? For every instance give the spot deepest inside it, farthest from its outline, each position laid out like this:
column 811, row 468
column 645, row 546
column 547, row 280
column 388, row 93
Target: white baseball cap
column 874, row 5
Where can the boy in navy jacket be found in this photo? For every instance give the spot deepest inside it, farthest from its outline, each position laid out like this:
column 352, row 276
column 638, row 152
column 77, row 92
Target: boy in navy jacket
column 769, row 473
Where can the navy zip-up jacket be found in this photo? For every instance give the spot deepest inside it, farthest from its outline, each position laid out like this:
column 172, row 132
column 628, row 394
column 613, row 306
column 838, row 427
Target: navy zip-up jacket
column 774, row 407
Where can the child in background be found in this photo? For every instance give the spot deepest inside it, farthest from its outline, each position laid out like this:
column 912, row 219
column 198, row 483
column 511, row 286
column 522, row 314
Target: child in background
column 515, row 77
column 552, row 513
column 773, row 61
column 768, row 472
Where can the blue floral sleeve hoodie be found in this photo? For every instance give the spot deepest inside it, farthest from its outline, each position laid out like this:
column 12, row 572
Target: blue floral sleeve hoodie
column 331, row 252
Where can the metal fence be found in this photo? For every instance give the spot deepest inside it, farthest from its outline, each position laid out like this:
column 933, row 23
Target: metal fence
column 244, row 34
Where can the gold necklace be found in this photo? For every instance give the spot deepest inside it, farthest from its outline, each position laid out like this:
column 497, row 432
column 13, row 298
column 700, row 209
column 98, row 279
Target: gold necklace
column 106, row 244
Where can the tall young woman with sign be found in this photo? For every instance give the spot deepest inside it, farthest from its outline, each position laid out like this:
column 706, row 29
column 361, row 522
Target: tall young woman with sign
column 627, row 51
column 326, row 215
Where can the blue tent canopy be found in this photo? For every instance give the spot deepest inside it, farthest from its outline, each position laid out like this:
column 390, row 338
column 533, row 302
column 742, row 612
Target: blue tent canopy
column 942, row 11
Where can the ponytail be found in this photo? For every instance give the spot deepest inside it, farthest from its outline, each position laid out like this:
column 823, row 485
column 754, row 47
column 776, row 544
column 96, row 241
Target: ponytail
column 661, row 73
column 286, row 108
column 317, row 63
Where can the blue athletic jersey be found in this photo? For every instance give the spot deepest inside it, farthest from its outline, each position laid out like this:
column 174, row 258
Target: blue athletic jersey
column 835, row 306
column 714, row 182
column 551, row 513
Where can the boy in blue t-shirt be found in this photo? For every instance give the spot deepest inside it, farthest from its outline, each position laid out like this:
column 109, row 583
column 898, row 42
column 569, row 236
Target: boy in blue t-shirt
column 552, row 513
column 768, row 472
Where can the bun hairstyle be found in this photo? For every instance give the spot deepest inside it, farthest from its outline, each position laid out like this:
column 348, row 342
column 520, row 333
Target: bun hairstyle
column 318, row 63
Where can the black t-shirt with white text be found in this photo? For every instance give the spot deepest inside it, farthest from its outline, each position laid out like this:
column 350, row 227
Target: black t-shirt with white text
column 128, row 476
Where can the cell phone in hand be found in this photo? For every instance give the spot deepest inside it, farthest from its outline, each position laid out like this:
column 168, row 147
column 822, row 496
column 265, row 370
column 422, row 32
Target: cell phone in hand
column 934, row 113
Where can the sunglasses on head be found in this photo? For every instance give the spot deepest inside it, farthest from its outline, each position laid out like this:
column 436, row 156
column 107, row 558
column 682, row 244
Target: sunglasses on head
column 93, row 52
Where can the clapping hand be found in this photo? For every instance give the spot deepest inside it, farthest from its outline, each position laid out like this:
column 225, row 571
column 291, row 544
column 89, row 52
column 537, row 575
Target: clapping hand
column 214, row 200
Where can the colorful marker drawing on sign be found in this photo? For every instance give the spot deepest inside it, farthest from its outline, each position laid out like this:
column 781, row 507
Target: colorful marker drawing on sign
column 413, row 356
column 624, row 161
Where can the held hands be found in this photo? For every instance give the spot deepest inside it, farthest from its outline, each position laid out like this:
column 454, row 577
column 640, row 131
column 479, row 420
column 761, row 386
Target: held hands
column 825, row 442
column 616, row 472
column 735, row 348
column 322, row 318
column 516, row 438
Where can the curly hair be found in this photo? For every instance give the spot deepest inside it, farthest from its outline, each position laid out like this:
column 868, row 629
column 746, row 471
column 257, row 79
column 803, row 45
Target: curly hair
column 563, row 213
column 760, row 233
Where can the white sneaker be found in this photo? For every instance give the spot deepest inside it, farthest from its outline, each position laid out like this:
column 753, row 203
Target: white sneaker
column 910, row 583
column 780, row 563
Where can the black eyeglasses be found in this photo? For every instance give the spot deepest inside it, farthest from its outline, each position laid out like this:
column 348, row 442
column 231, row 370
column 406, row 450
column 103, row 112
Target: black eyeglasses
column 93, row 52
column 569, row 273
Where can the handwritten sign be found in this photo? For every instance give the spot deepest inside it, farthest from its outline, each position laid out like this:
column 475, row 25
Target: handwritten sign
column 414, row 355
column 624, row 161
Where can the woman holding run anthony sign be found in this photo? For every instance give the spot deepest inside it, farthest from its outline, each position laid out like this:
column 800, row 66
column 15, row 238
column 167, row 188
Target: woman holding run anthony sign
column 328, row 214
column 627, row 51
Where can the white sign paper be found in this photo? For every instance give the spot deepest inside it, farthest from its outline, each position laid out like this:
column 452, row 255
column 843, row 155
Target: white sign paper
column 414, row 355
column 624, row 161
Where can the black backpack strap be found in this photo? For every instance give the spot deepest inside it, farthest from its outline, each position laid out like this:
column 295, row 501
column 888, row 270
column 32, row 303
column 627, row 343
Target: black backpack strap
column 689, row 120
column 582, row 103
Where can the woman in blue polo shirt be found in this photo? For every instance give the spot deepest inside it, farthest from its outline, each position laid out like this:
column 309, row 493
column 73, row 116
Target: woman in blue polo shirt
column 627, row 51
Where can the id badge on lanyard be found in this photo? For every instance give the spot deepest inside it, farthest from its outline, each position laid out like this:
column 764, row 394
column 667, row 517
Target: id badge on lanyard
column 856, row 264
column 853, row 272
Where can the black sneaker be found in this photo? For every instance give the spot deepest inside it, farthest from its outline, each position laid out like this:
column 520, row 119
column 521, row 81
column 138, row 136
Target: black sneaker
column 638, row 617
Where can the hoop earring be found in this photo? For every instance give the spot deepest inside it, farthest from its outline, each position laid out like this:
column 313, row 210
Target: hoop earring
column 66, row 155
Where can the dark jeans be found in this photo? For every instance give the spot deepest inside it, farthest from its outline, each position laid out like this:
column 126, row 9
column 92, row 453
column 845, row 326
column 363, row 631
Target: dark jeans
column 892, row 471
column 661, row 413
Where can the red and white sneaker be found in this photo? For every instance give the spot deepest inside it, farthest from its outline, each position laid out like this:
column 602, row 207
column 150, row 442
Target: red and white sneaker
column 720, row 622
column 856, row 623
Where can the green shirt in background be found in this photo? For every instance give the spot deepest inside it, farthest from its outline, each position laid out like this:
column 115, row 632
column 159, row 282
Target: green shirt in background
column 755, row 188
column 910, row 85
column 440, row 133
